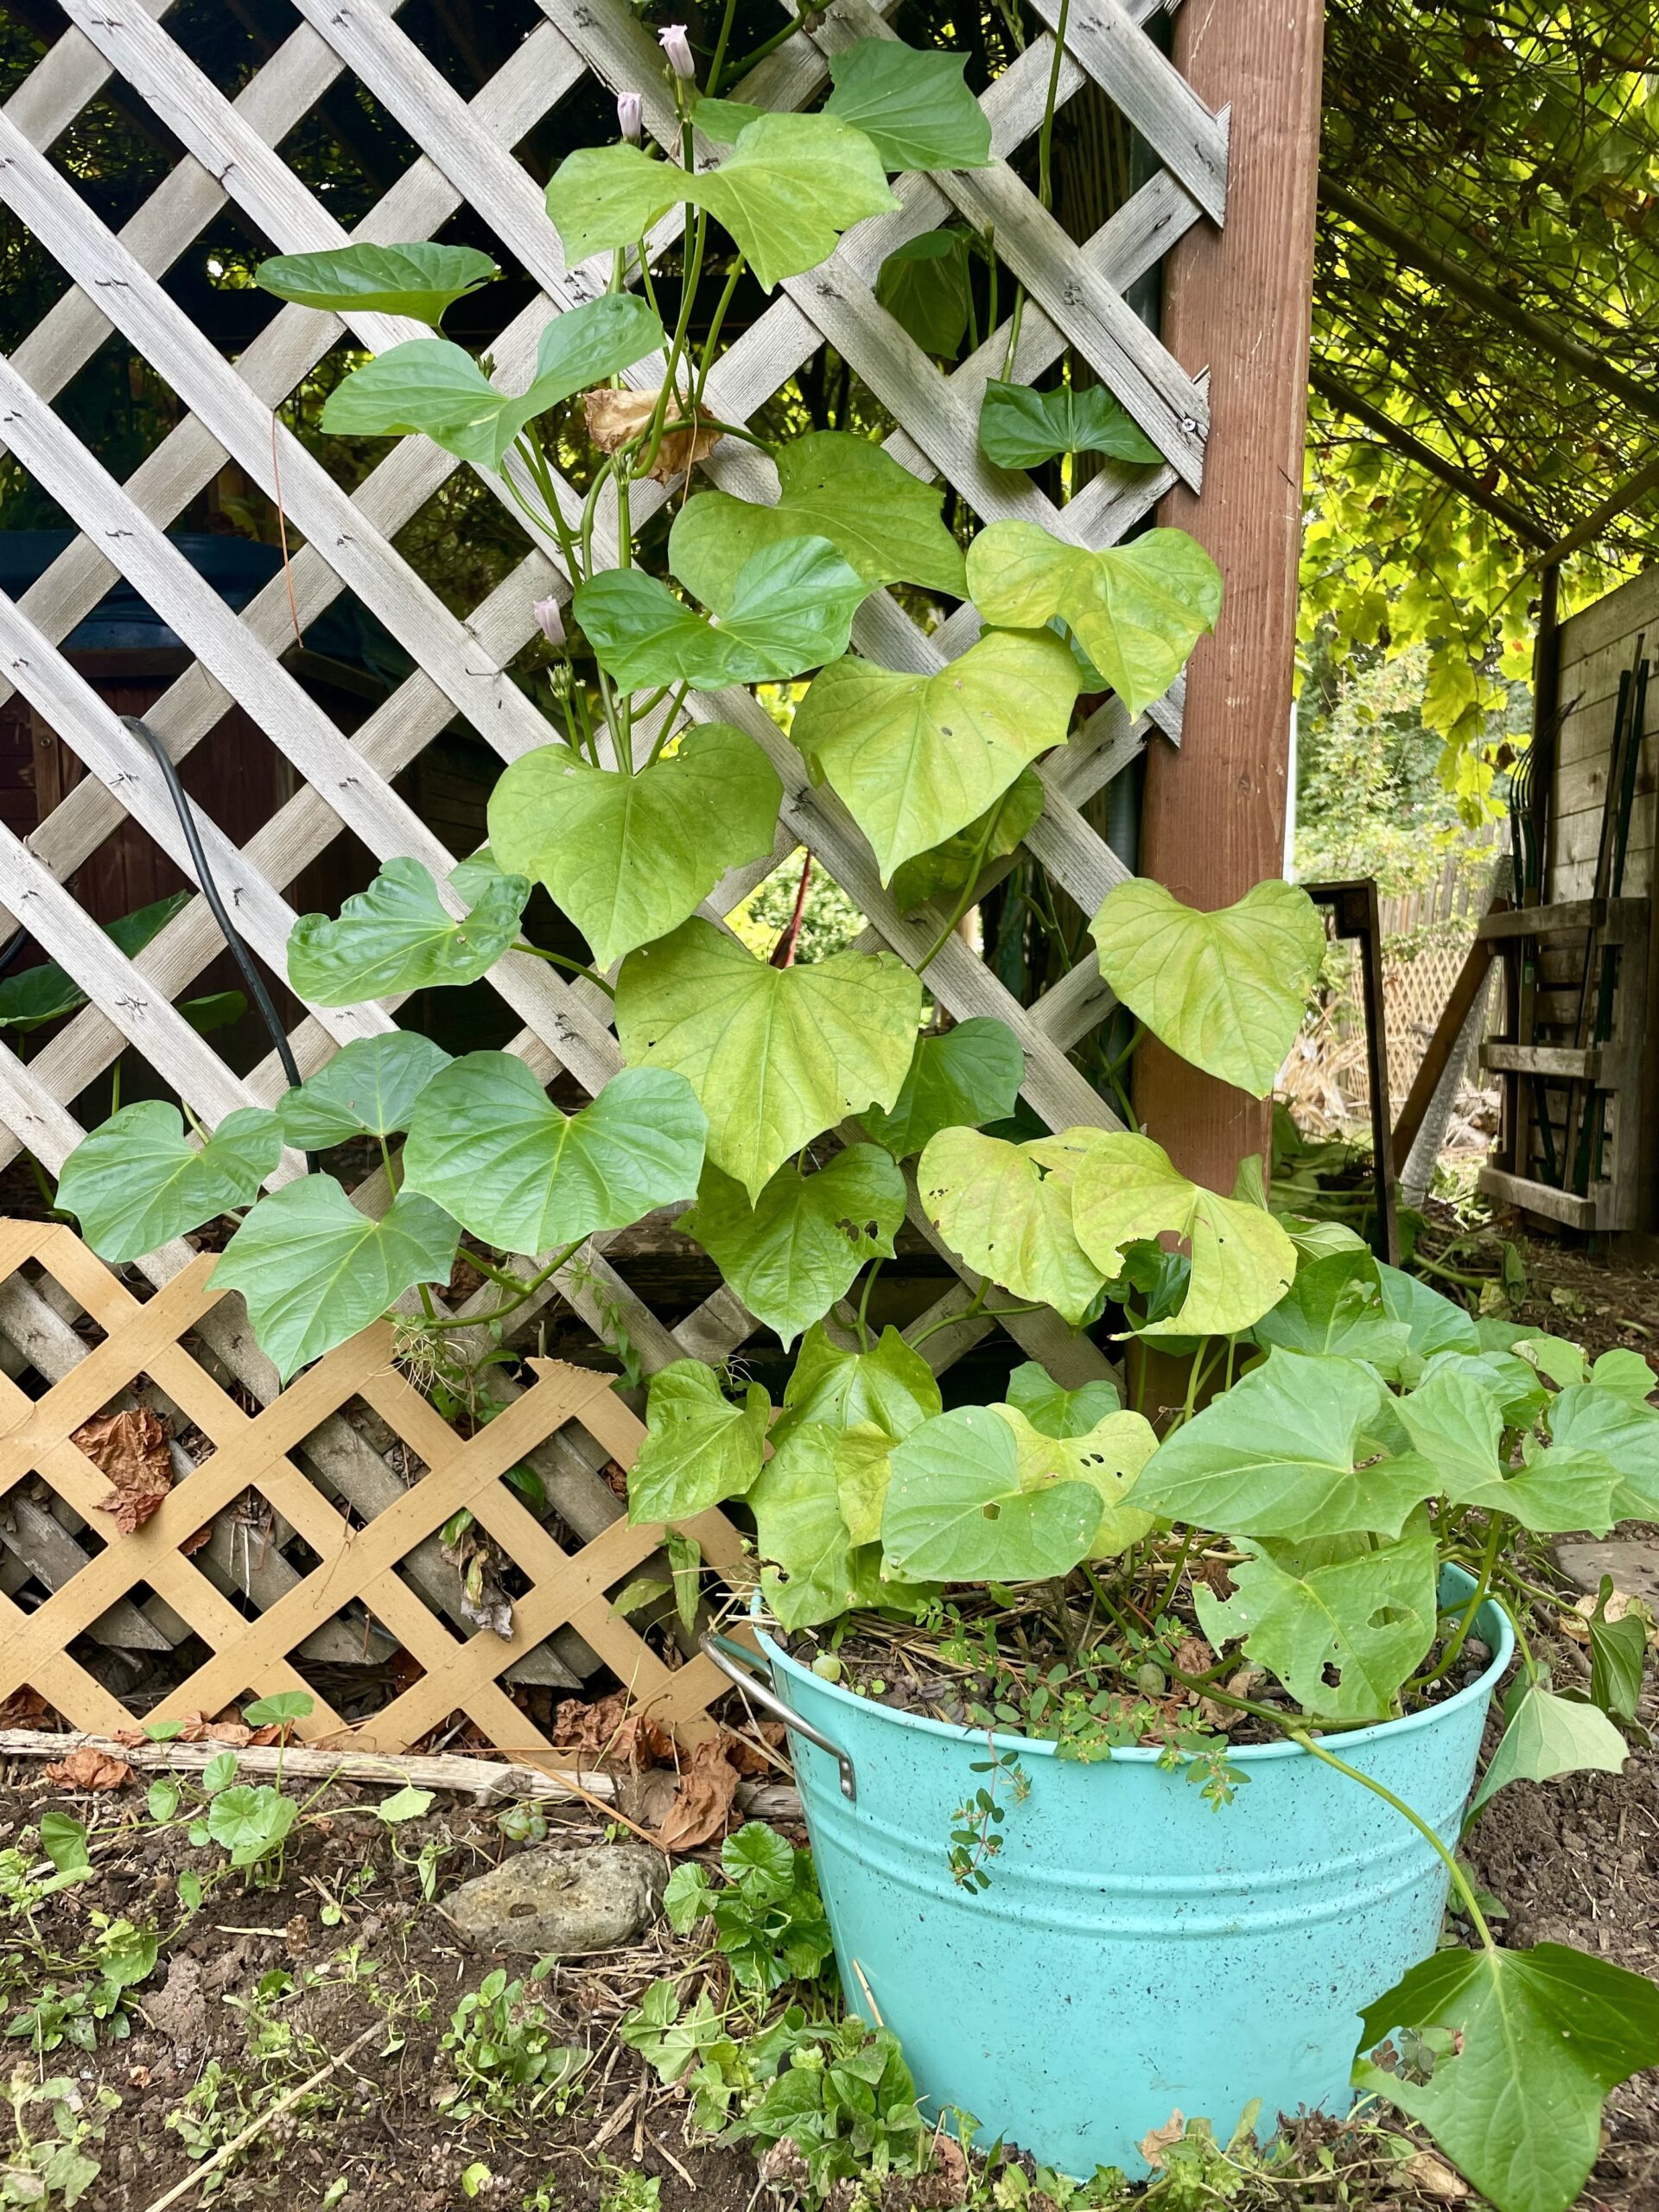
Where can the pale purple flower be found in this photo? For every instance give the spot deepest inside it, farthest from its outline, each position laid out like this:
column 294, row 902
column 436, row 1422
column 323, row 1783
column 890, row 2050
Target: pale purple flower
column 630, row 117
column 678, row 47
column 548, row 619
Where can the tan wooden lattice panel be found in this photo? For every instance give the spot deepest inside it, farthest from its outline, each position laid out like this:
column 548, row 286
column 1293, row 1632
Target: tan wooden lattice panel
column 1076, row 296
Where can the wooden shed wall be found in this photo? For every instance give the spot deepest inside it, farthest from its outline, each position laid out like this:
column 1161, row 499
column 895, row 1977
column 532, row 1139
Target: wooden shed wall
column 1597, row 646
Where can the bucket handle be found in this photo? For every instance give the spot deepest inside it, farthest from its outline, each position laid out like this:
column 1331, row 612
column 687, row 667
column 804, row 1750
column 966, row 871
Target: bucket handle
column 740, row 1665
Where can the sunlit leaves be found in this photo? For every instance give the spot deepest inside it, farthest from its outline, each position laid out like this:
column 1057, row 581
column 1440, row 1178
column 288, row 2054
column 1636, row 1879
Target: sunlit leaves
column 1022, row 429
column 947, row 870
column 1456, row 1423
column 699, row 1448
column 370, row 1088
column 889, row 1386
column 137, row 1181
column 1620, row 1433
column 800, row 1527
column 790, row 608
column 1053, row 1409
column 1107, row 1456
column 958, row 1510
column 399, row 936
column 792, row 1254
column 914, row 106
column 964, row 1076
column 1006, row 1210
column 420, row 280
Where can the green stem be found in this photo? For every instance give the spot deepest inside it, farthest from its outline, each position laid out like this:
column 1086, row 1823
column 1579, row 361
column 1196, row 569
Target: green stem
column 720, row 44
column 1477, row 1599
column 562, row 960
column 874, row 1269
column 705, row 361
column 1177, row 1571
column 1046, row 136
column 976, row 870
column 527, row 1291
column 976, row 1313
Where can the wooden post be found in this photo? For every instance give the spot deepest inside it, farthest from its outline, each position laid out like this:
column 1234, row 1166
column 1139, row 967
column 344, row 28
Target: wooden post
column 1238, row 300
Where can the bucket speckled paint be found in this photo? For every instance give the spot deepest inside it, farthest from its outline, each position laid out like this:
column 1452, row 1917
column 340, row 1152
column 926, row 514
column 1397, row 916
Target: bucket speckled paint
column 1136, row 1952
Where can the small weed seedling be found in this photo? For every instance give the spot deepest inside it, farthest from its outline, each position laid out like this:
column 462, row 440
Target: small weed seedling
column 46, row 2162
column 768, row 1919
column 504, row 2046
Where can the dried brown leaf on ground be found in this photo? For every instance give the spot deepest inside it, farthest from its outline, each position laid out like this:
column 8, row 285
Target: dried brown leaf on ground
column 130, row 1448
column 702, row 1803
column 1435, row 2178
column 749, row 1759
column 87, row 1769
column 1157, row 2140
column 609, row 1733
column 613, row 417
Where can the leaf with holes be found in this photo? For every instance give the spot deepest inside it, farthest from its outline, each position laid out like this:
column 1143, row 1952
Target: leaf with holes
column 798, row 1528
column 963, row 1076
column 791, row 608
column 429, row 387
column 699, row 1448
column 775, row 1055
column 420, row 280
column 881, row 519
column 1227, row 990
column 926, row 286
column 1242, row 1261
column 629, row 857
column 1342, row 1639
column 913, row 105
column 959, row 1510
column 916, row 758
column 1022, row 429
column 890, row 1387
column 792, row 1254
column 948, row 869
column 488, row 1143
column 1053, row 1410
column 136, row 1182
column 791, row 185
column 314, row 1270
column 1110, row 1456
column 1006, row 1210
column 1536, row 2039
column 398, row 936
column 1137, row 610
column 370, row 1088
column 1544, row 1737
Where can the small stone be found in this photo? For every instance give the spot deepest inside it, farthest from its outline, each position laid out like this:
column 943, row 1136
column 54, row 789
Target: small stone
column 560, row 1902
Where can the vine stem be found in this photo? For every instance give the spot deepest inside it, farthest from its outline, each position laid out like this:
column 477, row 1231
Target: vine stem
column 563, row 960
column 527, row 1291
column 1477, row 1599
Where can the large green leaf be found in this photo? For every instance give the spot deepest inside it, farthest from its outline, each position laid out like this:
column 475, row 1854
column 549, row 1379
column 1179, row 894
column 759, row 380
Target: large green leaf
column 368, row 1088
column 1006, row 1210
column 1456, row 1424
column 1537, row 2038
column 314, row 1270
column 419, row 280
column 957, row 1509
column 912, row 105
column 1281, row 1454
column 1626, row 1371
column 1108, row 1457
column 1227, row 990
column 791, row 608
column 137, row 1181
column 1336, row 1306
column 1592, row 1421
column 1242, row 1261
column 1433, row 1322
column 1137, row 610
column 791, row 185
column 487, row 1143
column 1544, row 1737
column 36, row 995
column 1619, row 1652
column 1342, row 1639
column 399, row 936
column 1053, row 1409
column 798, row 1526
column 890, row 1386
column 698, row 1447
column 775, row 1055
column 965, row 1075
column 792, row 1254
column 1022, row 429
column 954, row 867
column 628, row 857
column 882, row 521
column 926, row 285
column 437, row 389
column 917, row 758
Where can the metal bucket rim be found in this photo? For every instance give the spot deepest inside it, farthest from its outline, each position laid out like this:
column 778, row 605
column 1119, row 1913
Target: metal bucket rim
column 1492, row 1616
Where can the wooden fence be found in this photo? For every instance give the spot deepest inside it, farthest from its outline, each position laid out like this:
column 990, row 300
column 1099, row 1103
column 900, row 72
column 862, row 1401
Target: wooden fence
column 342, row 1535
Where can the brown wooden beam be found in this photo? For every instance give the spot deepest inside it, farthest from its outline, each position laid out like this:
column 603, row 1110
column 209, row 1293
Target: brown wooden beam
column 1238, row 301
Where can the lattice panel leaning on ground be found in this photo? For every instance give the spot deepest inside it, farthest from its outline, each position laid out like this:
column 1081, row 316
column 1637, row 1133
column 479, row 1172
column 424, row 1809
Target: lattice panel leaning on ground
column 1075, row 296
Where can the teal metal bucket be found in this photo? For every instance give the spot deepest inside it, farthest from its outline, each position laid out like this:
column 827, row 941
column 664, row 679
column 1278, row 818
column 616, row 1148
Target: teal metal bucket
column 1136, row 1951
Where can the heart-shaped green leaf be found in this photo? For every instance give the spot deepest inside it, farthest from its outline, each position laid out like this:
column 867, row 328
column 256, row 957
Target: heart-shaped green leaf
column 791, row 185
column 1110, row 1456
column 1335, row 1305
column 437, row 389
column 419, row 280
column 1341, row 1638
column 487, row 1143
column 952, row 867
column 1007, row 1209
column 926, row 285
column 1052, row 1409
column 723, row 121
column 1227, row 990
column 1593, row 1422
column 1537, row 2038
column 699, row 1448
column 628, row 857
column 1242, row 1263
column 1283, row 1454
column 775, row 1055
column 36, row 995
column 913, row 105
column 1432, row 1322
column 917, row 758
column 314, row 1270
column 1544, row 1737
column 792, row 1254
column 1137, row 610
column 136, row 1182
column 1022, row 429
column 882, row 521
column 1627, row 1372
column 368, row 1088
column 963, row 1076
column 958, row 1511
column 799, row 1525
column 1457, row 1424
column 889, row 1387
column 398, row 936
column 791, row 609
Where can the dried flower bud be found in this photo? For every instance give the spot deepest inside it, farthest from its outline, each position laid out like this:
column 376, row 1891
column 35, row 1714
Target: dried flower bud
column 630, row 117
column 549, row 621
column 678, row 47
